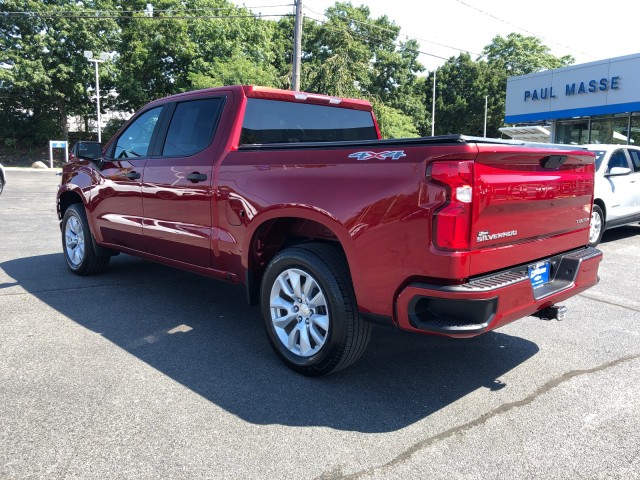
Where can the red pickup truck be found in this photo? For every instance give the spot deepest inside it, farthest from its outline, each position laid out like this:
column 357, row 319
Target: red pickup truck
column 328, row 228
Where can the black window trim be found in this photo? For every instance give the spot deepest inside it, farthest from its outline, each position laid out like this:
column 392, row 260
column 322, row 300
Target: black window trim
column 165, row 122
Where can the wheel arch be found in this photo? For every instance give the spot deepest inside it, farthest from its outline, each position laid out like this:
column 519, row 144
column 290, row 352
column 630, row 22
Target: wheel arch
column 66, row 198
column 599, row 202
column 273, row 232
column 72, row 196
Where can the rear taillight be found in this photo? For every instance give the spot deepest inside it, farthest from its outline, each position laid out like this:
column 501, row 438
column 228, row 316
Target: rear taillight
column 452, row 221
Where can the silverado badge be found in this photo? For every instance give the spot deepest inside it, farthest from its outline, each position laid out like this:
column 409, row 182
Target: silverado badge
column 485, row 236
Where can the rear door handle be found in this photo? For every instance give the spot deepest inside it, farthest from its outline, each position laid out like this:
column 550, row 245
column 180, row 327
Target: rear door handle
column 196, row 177
column 132, row 175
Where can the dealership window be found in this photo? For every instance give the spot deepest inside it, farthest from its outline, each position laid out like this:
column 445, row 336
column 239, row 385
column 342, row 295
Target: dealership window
column 635, row 129
column 573, row 132
column 617, row 129
column 610, row 129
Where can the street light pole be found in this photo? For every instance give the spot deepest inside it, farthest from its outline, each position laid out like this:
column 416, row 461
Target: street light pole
column 103, row 56
column 433, row 105
column 486, row 104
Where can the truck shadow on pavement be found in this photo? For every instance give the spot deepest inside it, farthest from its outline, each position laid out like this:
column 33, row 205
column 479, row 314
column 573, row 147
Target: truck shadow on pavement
column 202, row 334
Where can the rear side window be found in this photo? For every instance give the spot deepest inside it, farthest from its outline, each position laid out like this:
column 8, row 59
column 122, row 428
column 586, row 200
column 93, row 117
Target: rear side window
column 272, row 121
column 192, row 127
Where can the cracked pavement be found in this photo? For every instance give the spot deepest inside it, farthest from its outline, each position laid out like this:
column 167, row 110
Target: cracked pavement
column 148, row 372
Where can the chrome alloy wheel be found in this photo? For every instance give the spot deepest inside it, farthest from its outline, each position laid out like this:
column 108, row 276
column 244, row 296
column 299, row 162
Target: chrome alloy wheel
column 299, row 312
column 74, row 241
column 595, row 227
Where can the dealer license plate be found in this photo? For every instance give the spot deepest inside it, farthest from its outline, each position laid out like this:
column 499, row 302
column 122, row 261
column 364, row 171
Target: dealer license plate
column 539, row 274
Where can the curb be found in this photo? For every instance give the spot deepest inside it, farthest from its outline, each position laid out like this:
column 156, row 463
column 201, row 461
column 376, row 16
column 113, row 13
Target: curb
column 29, row 169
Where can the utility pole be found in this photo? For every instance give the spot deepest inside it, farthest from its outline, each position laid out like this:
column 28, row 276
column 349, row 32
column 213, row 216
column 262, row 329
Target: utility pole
column 297, row 47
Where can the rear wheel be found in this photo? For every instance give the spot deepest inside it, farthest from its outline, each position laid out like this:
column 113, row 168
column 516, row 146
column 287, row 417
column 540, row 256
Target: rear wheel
column 77, row 243
column 310, row 311
column 596, row 226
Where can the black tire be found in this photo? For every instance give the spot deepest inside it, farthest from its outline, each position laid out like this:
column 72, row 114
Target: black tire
column 323, row 274
column 596, row 226
column 78, row 244
column 1, row 184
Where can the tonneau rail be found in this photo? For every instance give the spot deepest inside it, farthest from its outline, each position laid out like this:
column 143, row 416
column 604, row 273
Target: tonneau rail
column 395, row 142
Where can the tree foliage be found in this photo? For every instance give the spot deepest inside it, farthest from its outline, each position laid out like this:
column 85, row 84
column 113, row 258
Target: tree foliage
column 44, row 76
column 190, row 44
column 177, row 50
column 354, row 55
column 520, row 55
column 462, row 85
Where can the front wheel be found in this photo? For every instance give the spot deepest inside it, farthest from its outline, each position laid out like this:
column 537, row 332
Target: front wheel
column 77, row 243
column 596, row 226
column 310, row 311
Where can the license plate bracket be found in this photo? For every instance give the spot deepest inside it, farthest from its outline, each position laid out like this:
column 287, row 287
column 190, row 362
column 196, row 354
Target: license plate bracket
column 539, row 274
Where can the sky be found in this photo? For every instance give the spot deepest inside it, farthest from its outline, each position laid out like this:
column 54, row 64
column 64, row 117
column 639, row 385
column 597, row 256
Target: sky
column 588, row 30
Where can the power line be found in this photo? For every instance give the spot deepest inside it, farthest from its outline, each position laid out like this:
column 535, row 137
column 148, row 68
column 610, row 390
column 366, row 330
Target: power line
column 141, row 17
column 408, row 37
column 520, row 28
column 336, row 28
column 169, row 10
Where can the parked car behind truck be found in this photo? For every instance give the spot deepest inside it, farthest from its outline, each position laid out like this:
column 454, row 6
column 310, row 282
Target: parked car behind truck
column 3, row 178
column 617, row 188
column 328, row 228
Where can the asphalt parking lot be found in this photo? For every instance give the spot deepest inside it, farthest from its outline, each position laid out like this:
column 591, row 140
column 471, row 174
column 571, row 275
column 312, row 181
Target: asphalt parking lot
column 149, row 372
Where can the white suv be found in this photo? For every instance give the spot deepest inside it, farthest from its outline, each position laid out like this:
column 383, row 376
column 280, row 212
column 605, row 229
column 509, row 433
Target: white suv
column 617, row 189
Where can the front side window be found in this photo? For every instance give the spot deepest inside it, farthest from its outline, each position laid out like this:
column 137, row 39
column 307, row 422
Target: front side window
column 272, row 121
column 134, row 141
column 618, row 159
column 192, row 127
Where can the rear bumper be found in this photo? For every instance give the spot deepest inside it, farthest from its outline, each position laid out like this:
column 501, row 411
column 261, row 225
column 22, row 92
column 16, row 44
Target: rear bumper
column 488, row 302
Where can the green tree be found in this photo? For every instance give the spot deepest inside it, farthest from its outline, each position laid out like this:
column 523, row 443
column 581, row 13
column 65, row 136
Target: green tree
column 461, row 87
column 44, row 76
column 520, row 55
column 512, row 56
column 393, row 123
column 191, row 44
column 354, row 55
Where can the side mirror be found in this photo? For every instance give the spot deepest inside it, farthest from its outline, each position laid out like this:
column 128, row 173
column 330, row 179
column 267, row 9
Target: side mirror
column 617, row 171
column 88, row 150
column 85, row 150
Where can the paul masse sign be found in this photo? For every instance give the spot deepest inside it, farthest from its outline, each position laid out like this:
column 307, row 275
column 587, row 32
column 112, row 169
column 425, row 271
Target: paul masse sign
column 597, row 88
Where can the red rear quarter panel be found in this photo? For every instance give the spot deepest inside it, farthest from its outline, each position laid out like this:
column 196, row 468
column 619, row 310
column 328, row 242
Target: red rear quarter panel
column 380, row 211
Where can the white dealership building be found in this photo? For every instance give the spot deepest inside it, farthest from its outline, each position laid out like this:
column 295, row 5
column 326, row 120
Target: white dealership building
column 597, row 102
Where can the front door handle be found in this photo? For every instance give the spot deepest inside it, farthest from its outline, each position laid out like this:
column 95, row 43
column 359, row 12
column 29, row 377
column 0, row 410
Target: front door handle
column 196, row 177
column 132, row 175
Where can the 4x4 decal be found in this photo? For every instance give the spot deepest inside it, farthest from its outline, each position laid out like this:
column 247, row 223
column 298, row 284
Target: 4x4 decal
column 392, row 154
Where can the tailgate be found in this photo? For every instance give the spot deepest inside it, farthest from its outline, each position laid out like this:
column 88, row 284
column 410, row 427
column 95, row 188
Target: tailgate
column 528, row 203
